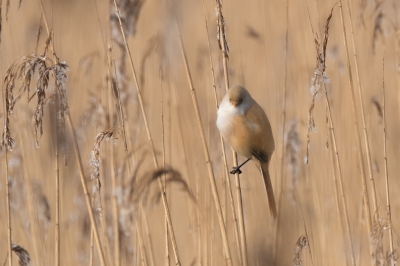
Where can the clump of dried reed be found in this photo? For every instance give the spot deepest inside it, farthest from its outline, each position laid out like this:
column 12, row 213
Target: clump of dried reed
column 23, row 255
column 95, row 163
column 317, row 78
column 301, row 244
column 44, row 70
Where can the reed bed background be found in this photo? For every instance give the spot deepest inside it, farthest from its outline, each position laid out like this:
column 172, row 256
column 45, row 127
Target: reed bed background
column 306, row 93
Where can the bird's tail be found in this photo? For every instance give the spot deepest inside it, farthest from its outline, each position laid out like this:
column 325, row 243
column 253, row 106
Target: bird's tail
column 270, row 192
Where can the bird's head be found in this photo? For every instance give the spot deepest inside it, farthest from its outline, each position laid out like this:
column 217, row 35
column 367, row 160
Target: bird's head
column 238, row 96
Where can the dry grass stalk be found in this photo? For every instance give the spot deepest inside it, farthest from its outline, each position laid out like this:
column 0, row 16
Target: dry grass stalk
column 165, row 203
column 224, row 47
column 360, row 159
column 226, row 171
column 365, row 133
column 388, row 208
column 217, row 203
column 23, row 255
column 301, row 244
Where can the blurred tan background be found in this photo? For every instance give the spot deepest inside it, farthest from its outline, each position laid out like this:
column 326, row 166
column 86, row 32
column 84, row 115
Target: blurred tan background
column 256, row 33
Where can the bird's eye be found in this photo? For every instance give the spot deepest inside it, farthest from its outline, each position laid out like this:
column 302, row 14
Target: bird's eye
column 230, row 99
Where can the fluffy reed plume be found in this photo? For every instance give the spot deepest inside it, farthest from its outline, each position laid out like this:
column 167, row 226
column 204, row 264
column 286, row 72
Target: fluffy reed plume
column 23, row 255
column 172, row 176
column 44, row 70
column 95, row 162
column 94, row 114
column 317, row 78
column 292, row 148
column 301, row 244
column 221, row 36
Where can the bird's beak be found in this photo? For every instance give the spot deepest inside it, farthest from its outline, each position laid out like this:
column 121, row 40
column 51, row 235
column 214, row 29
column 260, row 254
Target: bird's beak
column 234, row 104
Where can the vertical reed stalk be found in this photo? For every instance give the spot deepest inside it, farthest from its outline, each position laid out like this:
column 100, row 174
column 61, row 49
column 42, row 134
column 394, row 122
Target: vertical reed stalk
column 141, row 245
column 365, row 134
column 164, row 200
column 345, row 210
column 117, row 257
column 206, row 154
column 386, row 168
column 57, row 177
column 226, row 171
column 35, row 231
column 9, row 243
column 276, row 231
column 223, row 46
column 360, row 159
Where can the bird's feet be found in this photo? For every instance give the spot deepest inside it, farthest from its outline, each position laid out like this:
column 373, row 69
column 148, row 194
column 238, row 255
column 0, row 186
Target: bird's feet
column 236, row 170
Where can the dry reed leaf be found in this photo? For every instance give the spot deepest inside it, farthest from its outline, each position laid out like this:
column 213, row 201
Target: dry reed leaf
column 253, row 34
column 318, row 77
column 156, row 43
column 378, row 106
column 301, row 244
column 172, row 176
column 378, row 33
column 23, row 255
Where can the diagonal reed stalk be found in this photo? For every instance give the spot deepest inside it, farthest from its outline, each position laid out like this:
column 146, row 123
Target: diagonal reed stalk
column 391, row 250
column 163, row 197
column 206, row 153
column 365, row 133
column 167, row 259
column 235, row 222
column 223, row 47
column 358, row 140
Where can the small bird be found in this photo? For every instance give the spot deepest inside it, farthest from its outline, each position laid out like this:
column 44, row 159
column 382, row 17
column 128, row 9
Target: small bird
column 245, row 127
